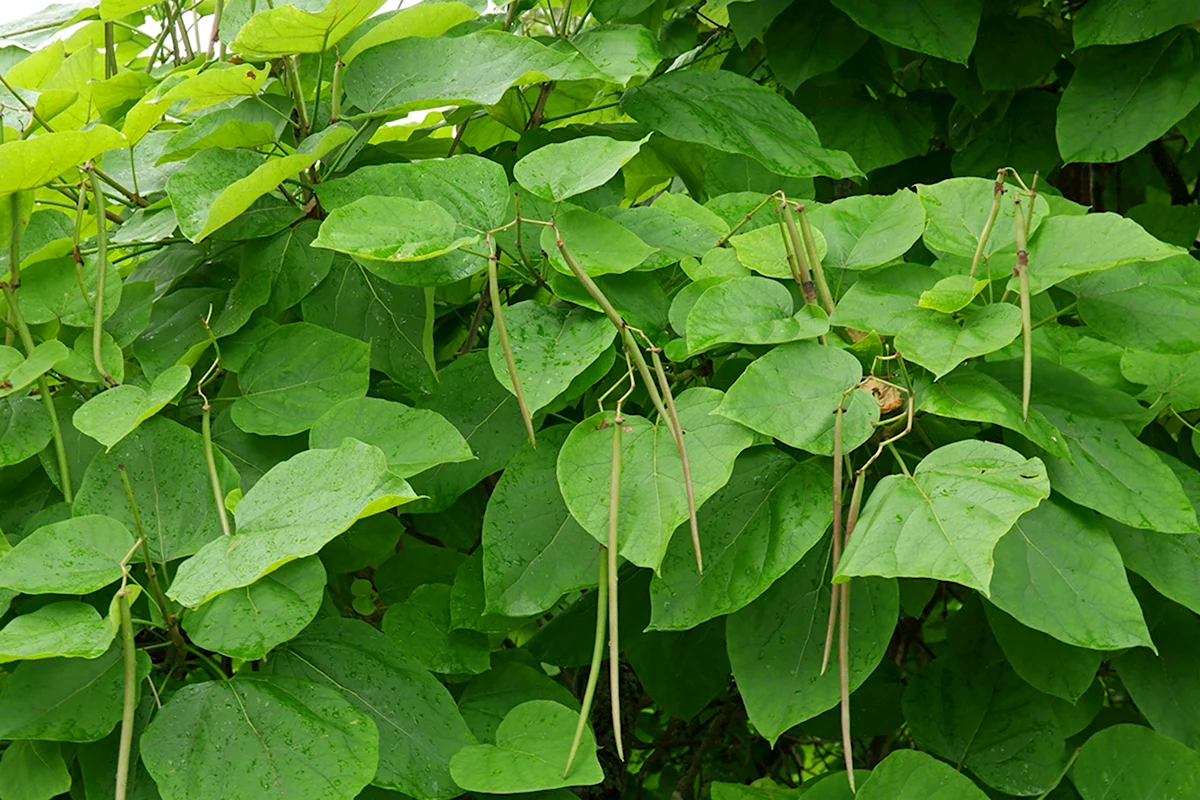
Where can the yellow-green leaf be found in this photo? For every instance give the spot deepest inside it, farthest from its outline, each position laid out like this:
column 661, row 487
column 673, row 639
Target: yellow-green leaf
column 30, row 163
column 288, row 29
column 424, row 20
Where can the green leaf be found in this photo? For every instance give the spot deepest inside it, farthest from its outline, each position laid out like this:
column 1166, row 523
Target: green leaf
column 750, row 311
column 913, row 775
column 247, row 623
column 735, row 115
column 763, row 251
column 958, row 210
column 683, row 671
column 942, row 29
column 973, row 396
column 294, row 510
column 1117, row 104
column 778, row 672
column 1152, row 306
column 17, row 371
column 807, row 40
column 36, row 161
column 421, row 627
column 1165, row 685
column 50, row 292
column 419, row 726
column 390, row 229
column 1059, row 572
column 534, row 551
column 885, row 300
column 271, row 737
column 1042, row 661
column 296, row 374
column 68, row 630
column 532, row 743
column 31, row 770
column 66, row 699
column 173, row 334
column 274, row 32
column 773, row 511
column 869, row 230
column 75, row 556
column 940, row 344
column 420, row 20
column 477, row 68
column 945, row 520
column 551, row 345
column 600, row 245
column 653, row 502
column 1129, row 761
column 1113, row 22
column 559, row 171
column 412, row 439
column 877, row 133
column 952, row 294
column 168, row 471
column 25, row 429
column 489, row 697
column 767, row 399
column 112, row 415
column 248, row 123
column 620, row 52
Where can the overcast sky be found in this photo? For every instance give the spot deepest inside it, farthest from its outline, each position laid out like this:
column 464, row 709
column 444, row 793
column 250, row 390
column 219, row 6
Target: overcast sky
column 15, row 9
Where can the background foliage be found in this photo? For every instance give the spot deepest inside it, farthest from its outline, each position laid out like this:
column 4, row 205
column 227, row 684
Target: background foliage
column 287, row 310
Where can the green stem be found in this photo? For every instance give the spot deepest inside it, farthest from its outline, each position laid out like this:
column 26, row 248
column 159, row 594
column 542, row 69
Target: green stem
column 293, row 74
column 216, row 28
column 1026, row 323
column 1061, row 775
column 151, row 573
column 997, row 191
column 510, row 362
column 810, row 247
column 589, row 693
column 316, row 109
column 110, row 51
column 580, row 112
column 212, row 666
column 614, row 512
column 129, row 700
column 210, row 458
column 101, row 276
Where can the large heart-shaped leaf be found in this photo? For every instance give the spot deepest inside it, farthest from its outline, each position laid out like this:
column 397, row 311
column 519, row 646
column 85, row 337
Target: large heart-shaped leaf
column 112, row 415
column 412, row 439
column 75, row 556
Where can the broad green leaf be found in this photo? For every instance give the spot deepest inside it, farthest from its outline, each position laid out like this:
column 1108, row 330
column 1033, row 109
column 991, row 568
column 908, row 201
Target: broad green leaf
column 1130, row 761
column 216, row 185
column 173, row 334
column 750, row 311
column 391, row 318
column 390, row 229
column 416, row 564
column 1044, row 662
column 274, row 32
column 620, row 52
column 807, row 40
column 421, row 627
column 777, row 642
column 653, row 502
column 970, row 395
column 1059, row 572
column 50, row 292
column 1117, row 104
column 486, row 415
column 248, row 123
column 296, row 374
column 32, row 770
column 534, row 551
column 876, row 133
column 975, row 711
column 477, row 68
column 75, row 556
column 68, row 630
column 427, row 20
column 770, row 397
column 551, row 345
column 419, row 726
column 683, row 671
column 1152, row 306
column 66, row 699
column 942, row 29
column 559, row 171
column 951, row 294
column 530, row 754
column 940, row 344
column 913, row 775
column 773, row 511
column 763, row 251
column 600, row 245
column 80, row 364
column 869, row 230
column 488, row 698
column 25, row 429
column 678, row 230
column 214, row 86
column 412, row 439
column 17, row 371
column 248, row 622
column 1066, row 246
column 1116, row 22
column 1165, row 685
column 733, row 114
column 1175, row 379
column 36, row 161
column 112, row 415
column 168, row 472
column 763, row 788
column 957, row 211
column 945, row 520
column 294, row 510
column 468, row 602
column 264, row 737
column 885, row 301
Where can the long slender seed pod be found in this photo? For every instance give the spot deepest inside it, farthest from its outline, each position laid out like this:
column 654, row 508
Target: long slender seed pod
column 795, row 254
column 498, row 320
column 844, row 638
column 129, row 700
column 101, row 274
column 589, row 693
column 837, row 534
column 209, row 456
column 614, row 648
column 1022, row 271
column 997, row 191
column 681, row 445
column 818, row 270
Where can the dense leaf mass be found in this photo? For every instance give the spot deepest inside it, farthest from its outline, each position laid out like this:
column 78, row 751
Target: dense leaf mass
column 745, row 399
